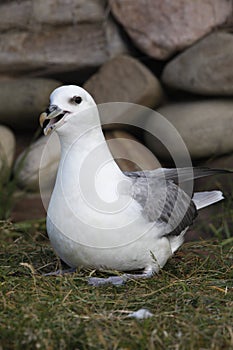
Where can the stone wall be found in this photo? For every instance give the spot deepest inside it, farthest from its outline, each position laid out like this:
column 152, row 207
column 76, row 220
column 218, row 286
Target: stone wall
column 173, row 57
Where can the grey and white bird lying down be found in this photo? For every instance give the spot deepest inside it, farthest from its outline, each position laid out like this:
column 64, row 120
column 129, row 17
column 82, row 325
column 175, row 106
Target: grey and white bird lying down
column 102, row 218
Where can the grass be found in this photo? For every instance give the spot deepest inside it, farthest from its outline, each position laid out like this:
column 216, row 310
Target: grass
column 191, row 299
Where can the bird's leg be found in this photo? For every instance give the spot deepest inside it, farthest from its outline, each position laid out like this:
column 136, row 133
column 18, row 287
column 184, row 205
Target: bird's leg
column 60, row 272
column 119, row 280
column 147, row 273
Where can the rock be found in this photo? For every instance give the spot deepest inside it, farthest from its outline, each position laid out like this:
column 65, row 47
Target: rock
column 125, row 79
column 46, row 37
column 223, row 162
column 7, row 149
column 222, row 182
column 129, row 153
column 57, row 12
column 205, row 68
column 161, row 28
column 28, row 13
column 36, row 167
column 27, row 207
column 22, row 101
column 15, row 15
column 206, row 127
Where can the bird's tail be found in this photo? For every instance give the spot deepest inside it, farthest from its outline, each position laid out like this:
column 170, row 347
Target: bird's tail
column 204, row 199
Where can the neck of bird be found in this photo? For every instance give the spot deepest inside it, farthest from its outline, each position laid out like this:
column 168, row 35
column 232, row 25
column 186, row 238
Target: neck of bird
column 86, row 161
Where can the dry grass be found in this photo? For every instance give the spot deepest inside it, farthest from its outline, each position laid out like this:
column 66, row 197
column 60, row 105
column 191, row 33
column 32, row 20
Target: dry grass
column 191, row 299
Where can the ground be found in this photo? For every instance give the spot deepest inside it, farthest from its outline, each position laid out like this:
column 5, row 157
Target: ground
column 191, row 299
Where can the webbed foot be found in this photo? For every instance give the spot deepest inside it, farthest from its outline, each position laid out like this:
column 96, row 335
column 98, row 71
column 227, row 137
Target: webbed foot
column 114, row 280
column 119, row 280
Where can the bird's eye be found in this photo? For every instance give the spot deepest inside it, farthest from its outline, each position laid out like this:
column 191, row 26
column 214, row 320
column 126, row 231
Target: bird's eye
column 76, row 99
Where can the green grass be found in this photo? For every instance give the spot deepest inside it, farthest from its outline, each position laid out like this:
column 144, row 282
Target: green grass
column 191, row 299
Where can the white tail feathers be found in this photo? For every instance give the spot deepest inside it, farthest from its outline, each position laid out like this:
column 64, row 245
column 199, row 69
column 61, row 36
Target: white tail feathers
column 204, row 199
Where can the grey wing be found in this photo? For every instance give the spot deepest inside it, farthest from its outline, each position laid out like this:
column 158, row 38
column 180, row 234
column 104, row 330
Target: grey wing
column 163, row 202
column 177, row 174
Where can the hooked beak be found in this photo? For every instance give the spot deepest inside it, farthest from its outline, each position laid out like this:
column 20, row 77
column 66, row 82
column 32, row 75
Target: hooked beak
column 52, row 116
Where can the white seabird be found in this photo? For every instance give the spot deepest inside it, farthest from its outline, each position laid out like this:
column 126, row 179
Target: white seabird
column 102, row 218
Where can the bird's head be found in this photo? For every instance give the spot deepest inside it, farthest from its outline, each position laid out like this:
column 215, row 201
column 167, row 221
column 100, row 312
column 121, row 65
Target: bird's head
column 65, row 103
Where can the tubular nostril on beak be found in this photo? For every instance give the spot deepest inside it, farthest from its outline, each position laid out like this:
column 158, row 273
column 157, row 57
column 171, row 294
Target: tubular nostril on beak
column 51, row 108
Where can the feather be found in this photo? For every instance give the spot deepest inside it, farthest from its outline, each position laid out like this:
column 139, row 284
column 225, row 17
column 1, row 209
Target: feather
column 204, row 199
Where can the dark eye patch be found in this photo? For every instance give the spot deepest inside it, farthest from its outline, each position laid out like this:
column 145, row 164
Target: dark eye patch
column 76, row 99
